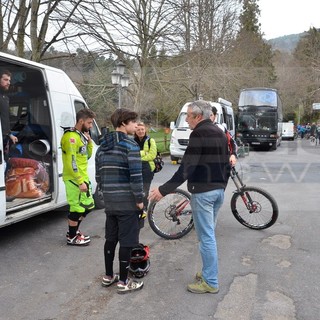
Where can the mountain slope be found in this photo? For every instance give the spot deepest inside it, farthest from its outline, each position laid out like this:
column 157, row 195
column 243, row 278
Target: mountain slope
column 286, row 43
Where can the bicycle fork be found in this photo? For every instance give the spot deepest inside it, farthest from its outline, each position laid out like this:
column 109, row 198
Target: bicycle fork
column 245, row 196
column 249, row 203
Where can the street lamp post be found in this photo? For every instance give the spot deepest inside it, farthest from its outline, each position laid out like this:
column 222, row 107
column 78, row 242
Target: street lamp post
column 120, row 79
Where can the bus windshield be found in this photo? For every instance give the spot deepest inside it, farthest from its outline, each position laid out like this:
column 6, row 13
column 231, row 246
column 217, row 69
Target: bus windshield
column 257, row 121
column 258, row 98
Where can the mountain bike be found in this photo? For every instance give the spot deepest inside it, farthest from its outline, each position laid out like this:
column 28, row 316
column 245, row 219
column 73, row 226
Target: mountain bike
column 171, row 217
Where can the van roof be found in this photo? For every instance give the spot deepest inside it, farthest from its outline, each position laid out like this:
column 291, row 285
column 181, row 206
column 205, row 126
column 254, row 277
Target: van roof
column 17, row 60
column 259, row 88
column 213, row 104
column 58, row 80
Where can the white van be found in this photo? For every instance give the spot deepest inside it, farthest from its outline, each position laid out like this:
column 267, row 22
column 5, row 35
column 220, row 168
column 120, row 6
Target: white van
column 287, row 130
column 181, row 131
column 43, row 100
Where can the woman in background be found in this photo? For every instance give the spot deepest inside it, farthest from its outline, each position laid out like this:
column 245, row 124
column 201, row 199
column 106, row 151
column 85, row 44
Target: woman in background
column 148, row 152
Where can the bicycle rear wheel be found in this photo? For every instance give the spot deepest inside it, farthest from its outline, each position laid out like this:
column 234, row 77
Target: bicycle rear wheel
column 254, row 208
column 171, row 217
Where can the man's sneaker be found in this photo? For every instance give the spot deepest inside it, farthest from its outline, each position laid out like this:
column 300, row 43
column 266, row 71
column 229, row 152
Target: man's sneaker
column 198, row 276
column 78, row 241
column 202, row 287
column 131, row 285
column 108, row 282
column 81, row 234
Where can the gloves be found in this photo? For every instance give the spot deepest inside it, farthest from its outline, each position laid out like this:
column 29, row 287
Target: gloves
column 142, row 214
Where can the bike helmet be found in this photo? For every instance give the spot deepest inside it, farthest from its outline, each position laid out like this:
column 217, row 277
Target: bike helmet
column 139, row 262
column 139, row 269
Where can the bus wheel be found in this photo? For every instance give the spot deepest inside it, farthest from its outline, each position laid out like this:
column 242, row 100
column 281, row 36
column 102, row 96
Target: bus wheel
column 274, row 146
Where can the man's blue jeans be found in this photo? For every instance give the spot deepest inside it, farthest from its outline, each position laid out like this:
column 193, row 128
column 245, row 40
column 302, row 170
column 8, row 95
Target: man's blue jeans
column 205, row 207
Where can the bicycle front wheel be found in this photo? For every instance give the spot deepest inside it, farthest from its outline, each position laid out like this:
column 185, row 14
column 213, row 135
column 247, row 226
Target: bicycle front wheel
column 171, row 217
column 254, row 208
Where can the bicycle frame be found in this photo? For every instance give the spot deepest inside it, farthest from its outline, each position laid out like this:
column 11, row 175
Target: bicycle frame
column 253, row 207
column 176, row 210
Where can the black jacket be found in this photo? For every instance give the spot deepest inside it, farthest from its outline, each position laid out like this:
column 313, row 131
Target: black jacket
column 4, row 114
column 205, row 163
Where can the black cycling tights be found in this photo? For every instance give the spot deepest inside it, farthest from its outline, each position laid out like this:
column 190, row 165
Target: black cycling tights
column 124, row 259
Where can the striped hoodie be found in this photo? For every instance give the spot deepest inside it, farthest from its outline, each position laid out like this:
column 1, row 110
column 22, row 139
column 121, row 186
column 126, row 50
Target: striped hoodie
column 119, row 168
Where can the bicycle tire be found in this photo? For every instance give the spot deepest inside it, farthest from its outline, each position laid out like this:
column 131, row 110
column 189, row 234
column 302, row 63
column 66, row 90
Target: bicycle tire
column 265, row 214
column 163, row 219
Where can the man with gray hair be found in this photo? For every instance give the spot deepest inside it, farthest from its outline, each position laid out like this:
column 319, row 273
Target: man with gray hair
column 205, row 165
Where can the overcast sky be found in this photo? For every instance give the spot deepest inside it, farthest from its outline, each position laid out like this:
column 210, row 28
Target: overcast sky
column 283, row 17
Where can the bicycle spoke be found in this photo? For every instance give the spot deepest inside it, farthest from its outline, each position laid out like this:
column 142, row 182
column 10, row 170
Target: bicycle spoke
column 171, row 217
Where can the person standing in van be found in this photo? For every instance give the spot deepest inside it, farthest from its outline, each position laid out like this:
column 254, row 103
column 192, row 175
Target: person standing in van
column 148, row 152
column 5, row 80
column 77, row 146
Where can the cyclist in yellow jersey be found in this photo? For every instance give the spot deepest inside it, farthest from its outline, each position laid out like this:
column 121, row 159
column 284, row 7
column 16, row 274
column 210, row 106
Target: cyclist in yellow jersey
column 77, row 148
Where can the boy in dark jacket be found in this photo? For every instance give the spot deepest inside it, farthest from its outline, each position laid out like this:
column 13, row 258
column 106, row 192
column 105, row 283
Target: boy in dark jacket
column 119, row 174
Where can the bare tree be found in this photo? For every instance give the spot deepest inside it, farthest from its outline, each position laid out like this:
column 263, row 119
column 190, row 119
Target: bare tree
column 130, row 30
column 205, row 31
column 34, row 26
column 147, row 35
column 8, row 23
column 208, row 24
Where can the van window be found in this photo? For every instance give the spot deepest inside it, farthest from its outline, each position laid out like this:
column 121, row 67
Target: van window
column 229, row 122
column 181, row 121
column 94, row 132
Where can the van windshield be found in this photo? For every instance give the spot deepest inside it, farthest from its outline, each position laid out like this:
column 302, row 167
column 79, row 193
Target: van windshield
column 181, row 121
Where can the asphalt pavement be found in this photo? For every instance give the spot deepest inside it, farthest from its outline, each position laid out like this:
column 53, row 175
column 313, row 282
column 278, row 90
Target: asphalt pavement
column 270, row 274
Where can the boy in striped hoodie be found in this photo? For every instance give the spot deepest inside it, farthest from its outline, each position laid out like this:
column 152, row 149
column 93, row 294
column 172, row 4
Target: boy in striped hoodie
column 119, row 174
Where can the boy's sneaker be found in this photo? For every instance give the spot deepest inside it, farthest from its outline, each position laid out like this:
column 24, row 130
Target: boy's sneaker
column 77, row 241
column 202, row 287
column 131, row 285
column 80, row 234
column 108, row 282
